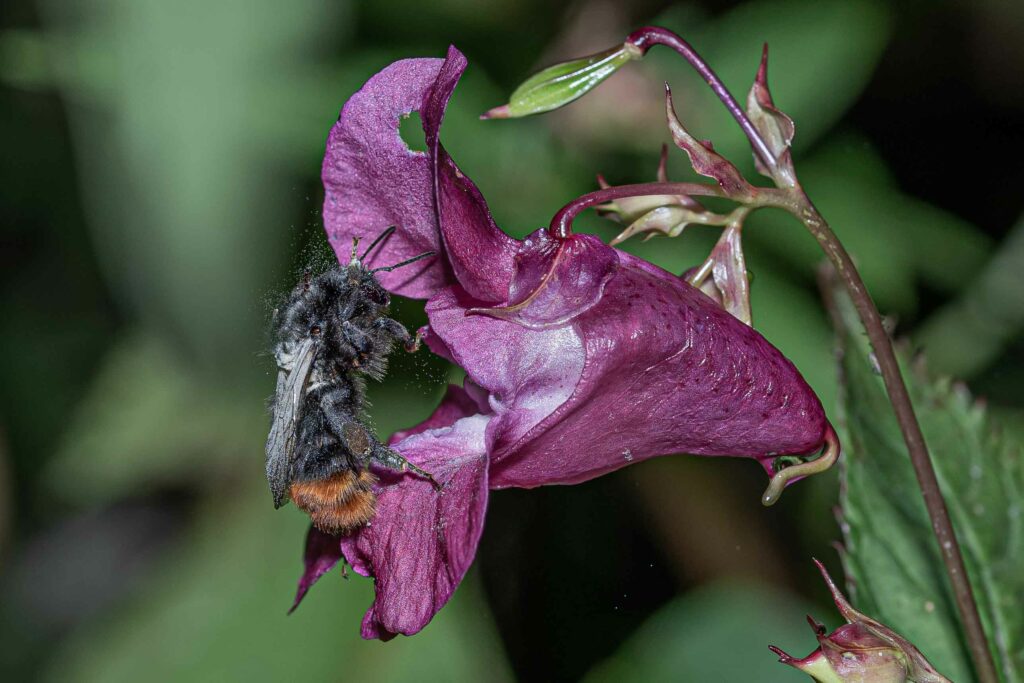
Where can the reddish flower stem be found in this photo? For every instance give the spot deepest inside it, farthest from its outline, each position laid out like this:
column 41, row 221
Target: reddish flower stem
column 949, row 547
column 561, row 222
column 647, row 37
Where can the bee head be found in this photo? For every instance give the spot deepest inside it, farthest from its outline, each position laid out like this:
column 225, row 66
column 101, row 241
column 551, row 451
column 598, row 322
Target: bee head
column 366, row 289
column 319, row 307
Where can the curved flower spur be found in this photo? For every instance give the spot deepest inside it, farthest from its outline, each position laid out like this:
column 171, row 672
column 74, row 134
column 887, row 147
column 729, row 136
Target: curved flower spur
column 579, row 358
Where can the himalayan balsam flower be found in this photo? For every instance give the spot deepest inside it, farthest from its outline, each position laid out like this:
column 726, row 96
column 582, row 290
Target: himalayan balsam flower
column 579, row 358
column 861, row 651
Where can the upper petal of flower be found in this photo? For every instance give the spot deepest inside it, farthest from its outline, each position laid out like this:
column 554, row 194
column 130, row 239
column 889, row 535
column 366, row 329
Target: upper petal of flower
column 480, row 254
column 421, row 541
column 372, row 180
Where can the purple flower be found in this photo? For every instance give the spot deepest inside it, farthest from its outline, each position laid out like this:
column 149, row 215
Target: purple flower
column 579, row 358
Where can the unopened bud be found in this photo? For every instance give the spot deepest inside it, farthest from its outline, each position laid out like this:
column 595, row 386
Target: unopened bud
column 851, row 653
column 560, row 84
column 861, row 651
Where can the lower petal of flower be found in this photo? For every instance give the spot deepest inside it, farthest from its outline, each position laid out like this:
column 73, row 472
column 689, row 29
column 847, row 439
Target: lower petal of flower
column 458, row 402
column 422, row 540
column 529, row 373
column 323, row 551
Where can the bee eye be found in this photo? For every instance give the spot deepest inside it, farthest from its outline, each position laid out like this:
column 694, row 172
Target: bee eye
column 315, row 330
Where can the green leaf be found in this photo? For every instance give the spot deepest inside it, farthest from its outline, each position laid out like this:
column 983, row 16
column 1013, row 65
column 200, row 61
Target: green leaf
column 189, row 213
column 971, row 332
column 716, row 633
column 892, row 558
column 150, row 419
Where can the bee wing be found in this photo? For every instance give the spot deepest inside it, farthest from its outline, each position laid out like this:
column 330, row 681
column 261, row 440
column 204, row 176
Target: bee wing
column 291, row 389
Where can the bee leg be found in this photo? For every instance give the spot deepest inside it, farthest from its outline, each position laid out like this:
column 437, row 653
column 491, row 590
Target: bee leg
column 393, row 459
column 356, row 438
column 365, row 448
column 414, row 346
column 399, row 333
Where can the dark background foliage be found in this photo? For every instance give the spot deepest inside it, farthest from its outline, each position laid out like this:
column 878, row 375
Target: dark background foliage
column 159, row 189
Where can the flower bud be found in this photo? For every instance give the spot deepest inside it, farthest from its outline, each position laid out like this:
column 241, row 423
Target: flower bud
column 560, row 84
column 861, row 651
column 850, row 653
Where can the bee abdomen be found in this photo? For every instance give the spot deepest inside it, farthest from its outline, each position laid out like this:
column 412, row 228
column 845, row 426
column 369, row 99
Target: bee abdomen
column 338, row 504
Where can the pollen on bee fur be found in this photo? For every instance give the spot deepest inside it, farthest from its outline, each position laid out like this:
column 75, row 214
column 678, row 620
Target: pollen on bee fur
column 338, row 504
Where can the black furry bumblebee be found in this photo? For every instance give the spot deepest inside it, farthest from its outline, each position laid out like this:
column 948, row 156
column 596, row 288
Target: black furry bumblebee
column 332, row 333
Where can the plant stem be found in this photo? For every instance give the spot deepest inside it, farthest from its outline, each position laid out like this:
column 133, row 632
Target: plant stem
column 919, row 457
column 647, row 37
column 561, row 222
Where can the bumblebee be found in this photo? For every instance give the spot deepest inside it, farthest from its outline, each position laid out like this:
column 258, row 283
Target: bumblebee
column 329, row 336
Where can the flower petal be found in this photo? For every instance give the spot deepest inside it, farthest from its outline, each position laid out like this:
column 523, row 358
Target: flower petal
column 458, row 402
column 421, row 541
column 555, row 280
column 528, row 373
column 372, row 180
column 480, row 254
column 323, row 551
column 667, row 371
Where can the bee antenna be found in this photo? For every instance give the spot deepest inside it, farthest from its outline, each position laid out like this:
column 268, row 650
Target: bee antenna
column 406, row 262
column 388, row 232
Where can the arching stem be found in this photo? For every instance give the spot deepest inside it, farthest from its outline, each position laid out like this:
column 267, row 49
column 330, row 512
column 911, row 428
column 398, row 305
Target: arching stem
column 935, row 504
column 647, row 37
column 561, row 222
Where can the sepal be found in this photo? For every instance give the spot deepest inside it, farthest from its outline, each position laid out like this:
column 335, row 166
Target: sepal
column 724, row 275
column 775, row 127
column 704, row 159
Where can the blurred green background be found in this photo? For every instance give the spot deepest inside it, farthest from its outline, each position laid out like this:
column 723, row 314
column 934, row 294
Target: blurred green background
column 159, row 189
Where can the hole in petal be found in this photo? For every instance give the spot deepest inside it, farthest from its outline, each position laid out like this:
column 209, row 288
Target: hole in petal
column 410, row 128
